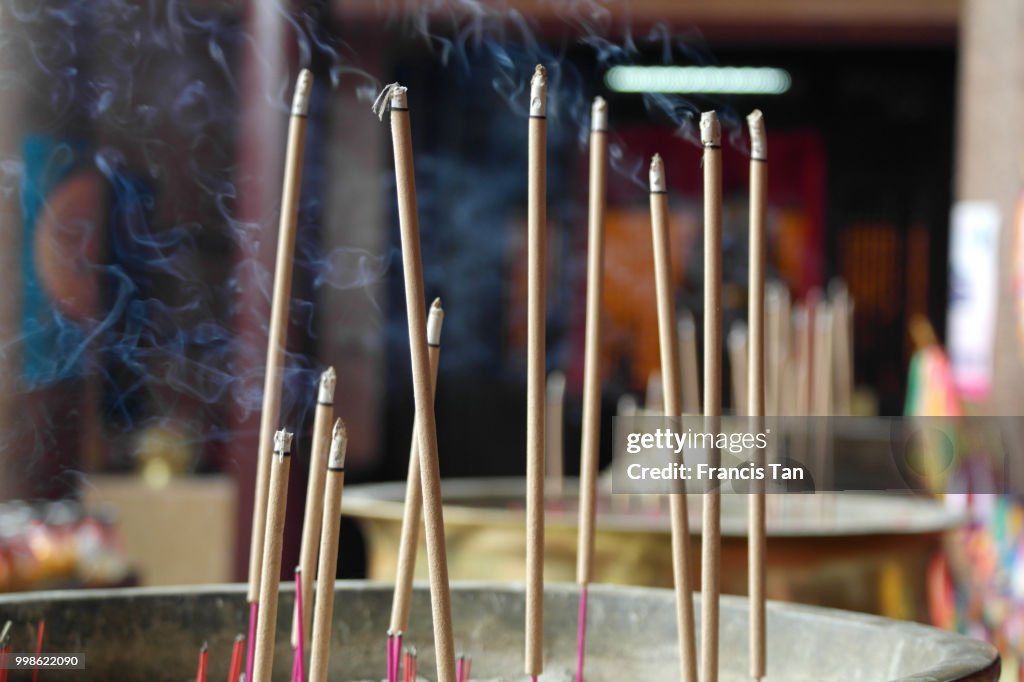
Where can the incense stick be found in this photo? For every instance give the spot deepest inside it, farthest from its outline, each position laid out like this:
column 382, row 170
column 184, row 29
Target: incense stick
column 298, row 661
column 322, row 420
column 688, row 362
column 775, row 352
column 204, row 655
column 842, row 347
column 464, row 663
column 737, row 344
column 276, row 340
column 235, row 668
column 554, row 432
column 412, row 515
column 654, row 393
column 822, row 370
column 711, row 138
column 757, row 538
column 5, row 650
column 270, row 580
column 410, row 665
column 327, row 566
column 250, row 651
column 590, row 443
column 823, row 395
column 433, row 515
column 40, row 631
column 535, row 365
column 672, row 407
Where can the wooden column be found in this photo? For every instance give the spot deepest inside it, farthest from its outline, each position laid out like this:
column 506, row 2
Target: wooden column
column 990, row 160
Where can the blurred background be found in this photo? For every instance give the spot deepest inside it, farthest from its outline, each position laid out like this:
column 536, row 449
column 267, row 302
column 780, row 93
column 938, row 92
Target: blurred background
column 141, row 147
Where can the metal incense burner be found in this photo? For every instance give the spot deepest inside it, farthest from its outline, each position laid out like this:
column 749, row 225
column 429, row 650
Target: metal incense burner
column 153, row 634
column 857, row 552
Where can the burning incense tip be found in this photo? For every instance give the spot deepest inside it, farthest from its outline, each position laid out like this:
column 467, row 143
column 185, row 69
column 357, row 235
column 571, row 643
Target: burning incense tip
column 394, row 96
column 303, row 89
column 339, row 444
column 710, row 129
column 758, row 140
column 328, row 380
column 539, row 93
column 434, row 321
column 283, row 442
column 599, row 115
column 657, row 175
column 6, row 632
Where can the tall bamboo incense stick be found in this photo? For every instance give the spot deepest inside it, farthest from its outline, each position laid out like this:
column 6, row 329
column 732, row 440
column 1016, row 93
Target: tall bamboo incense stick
column 426, row 429
column 535, row 366
column 711, row 138
column 756, row 539
column 688, row 362
column 270, row 580
column 590, row 444
column 672, row 407
column 554, row 447
column 314, row 500
column 276, row 340
column 412, row 515
column 327, row 567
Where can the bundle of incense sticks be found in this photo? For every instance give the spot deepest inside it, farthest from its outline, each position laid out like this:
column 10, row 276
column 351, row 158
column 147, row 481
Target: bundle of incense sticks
column 306, row 569
column 591, row 437
column 808, row 361
column 395, row 97
column 464, row 665
column 412, row 512
column 276, row 344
